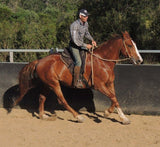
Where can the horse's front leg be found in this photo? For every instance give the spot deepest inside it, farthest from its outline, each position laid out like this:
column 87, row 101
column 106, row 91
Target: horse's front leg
column 109, row 91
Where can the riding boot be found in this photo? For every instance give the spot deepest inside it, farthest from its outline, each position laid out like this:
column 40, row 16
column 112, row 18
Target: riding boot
column 77, row 83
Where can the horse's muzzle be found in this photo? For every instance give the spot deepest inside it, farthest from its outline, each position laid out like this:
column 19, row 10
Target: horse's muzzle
column 137, row 62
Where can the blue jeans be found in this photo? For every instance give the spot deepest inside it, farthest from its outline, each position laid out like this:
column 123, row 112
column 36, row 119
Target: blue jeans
column 76, row 55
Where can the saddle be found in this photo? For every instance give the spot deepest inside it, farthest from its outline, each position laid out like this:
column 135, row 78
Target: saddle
column 68, row 60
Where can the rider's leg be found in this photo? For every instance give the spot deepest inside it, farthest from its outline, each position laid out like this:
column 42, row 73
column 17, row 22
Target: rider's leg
column 77, row 82
column 76, row 78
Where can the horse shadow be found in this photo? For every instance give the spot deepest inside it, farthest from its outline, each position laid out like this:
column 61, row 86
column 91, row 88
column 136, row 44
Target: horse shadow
column 77, row 98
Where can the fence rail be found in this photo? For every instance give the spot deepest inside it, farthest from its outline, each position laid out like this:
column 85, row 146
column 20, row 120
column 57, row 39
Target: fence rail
column 12, row 51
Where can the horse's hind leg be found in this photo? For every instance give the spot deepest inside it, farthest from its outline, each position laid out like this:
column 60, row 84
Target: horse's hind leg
column 109, row 91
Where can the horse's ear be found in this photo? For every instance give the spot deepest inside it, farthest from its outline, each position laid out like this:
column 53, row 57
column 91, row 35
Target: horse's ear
column 126, row 32
column 122, row 33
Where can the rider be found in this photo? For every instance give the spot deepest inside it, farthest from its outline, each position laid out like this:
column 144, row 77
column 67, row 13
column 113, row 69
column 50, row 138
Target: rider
column 79, row 30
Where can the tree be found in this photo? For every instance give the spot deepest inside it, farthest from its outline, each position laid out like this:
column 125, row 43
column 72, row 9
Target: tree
column 45, row 23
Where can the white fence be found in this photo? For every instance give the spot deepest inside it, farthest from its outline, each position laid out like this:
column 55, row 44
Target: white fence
column 11, row 51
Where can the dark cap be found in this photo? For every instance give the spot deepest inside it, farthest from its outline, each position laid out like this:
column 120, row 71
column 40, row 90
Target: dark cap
column 83, row 12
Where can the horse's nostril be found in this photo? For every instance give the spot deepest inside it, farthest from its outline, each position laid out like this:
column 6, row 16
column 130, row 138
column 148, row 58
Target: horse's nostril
column 139, row 61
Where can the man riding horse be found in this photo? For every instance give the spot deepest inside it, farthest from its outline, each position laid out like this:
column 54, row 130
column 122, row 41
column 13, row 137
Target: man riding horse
column 79, row 30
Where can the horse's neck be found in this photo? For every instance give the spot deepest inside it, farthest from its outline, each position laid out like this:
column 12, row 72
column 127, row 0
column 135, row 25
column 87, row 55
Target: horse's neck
column 110, row 50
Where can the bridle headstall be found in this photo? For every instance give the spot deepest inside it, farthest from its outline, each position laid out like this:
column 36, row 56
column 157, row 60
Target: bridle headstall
column 112, row 60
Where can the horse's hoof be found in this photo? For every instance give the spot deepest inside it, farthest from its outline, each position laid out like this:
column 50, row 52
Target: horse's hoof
column 80, row 118
column 106, row 113
column 126, row 121
column 44, row 116
column 53, row 117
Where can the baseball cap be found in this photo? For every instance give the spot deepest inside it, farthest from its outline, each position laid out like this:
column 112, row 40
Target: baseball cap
column 83, row 12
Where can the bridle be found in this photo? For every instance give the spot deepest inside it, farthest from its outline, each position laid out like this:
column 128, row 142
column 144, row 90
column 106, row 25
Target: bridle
column 111, row 60
column 127, row 48
column 92, row 54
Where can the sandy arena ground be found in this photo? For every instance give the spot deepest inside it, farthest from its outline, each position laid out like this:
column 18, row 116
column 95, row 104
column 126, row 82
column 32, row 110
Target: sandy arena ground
column 21, row 129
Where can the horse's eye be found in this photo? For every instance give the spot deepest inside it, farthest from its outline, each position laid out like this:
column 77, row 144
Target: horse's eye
column 129, row 46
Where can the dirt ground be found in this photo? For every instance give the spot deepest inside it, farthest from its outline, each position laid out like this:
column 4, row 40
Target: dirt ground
column 21, row 129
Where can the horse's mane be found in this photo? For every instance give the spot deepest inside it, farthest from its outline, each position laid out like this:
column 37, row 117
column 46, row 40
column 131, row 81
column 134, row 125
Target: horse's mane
column 115, row 36
column 111, row 38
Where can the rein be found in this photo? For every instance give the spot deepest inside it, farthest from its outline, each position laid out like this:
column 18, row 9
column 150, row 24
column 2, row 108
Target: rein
column 111, row 60
column 92, row 79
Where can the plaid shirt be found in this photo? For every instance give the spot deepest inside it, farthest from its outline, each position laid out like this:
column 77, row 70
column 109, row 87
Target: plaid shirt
column 78, row 31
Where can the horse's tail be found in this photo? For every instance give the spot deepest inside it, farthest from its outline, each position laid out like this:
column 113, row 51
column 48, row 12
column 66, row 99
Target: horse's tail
column 26, row 79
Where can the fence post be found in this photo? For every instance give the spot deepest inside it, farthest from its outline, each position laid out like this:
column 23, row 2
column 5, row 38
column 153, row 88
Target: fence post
column 11, row 57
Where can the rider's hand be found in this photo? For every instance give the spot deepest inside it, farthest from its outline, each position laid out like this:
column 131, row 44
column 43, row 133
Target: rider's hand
column 89, row 46
column 94, row 43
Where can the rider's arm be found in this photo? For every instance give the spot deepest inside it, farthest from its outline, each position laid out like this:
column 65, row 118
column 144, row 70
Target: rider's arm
column 87, row 34
column 74, row 35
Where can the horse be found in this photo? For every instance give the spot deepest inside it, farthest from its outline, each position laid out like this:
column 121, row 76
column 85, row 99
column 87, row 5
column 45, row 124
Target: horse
column 53, row 73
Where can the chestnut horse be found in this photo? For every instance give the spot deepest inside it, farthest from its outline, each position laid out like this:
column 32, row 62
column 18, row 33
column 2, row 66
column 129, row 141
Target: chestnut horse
column 52, row 72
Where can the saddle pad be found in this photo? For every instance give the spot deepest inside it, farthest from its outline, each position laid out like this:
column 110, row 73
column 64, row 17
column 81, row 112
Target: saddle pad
column 67, row 58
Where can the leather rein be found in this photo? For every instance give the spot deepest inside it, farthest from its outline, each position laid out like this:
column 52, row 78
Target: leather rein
column 111, row 60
